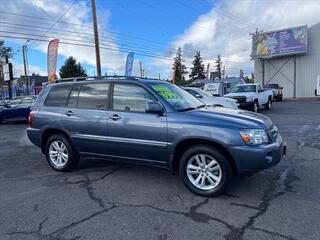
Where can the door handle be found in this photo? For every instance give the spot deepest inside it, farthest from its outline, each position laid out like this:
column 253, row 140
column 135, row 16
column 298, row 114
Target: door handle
column 69, row 113
column 115, row 117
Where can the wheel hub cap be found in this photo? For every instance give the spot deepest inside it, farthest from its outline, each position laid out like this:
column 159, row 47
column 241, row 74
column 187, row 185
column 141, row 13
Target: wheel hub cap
column 204, row 172
column 58, row 153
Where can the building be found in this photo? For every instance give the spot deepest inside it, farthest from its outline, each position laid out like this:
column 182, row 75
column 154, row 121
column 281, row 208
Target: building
column 296, row 73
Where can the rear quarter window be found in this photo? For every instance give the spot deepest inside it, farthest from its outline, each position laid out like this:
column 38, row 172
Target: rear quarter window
column 58, row 96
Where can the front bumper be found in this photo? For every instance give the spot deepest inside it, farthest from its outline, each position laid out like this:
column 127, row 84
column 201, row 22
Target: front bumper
column 245, row 105
column 251, row 159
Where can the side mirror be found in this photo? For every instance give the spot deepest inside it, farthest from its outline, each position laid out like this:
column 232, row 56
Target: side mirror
column 261, row 90
column 198, row 96
column 281, row 88
column 154, row 107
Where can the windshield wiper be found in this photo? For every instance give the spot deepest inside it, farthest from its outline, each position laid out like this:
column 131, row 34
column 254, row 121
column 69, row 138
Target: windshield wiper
column 201, row 106
column 186, row 109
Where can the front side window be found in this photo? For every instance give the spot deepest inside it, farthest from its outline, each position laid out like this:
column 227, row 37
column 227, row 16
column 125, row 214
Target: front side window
column 179, row 99
column 58, row 96
column 93, row 96
column 130, row 97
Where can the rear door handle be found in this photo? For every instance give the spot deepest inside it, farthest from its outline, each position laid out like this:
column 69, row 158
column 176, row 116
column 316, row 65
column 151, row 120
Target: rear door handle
column 69, row 113
column 115, row 117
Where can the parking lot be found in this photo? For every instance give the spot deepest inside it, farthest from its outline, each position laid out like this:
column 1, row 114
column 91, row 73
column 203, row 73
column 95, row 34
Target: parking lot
column 103, row 200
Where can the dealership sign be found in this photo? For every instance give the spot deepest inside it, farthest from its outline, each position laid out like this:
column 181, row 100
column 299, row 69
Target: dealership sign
column 279, row 43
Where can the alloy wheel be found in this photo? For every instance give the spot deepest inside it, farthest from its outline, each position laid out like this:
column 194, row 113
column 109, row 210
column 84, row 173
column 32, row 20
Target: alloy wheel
column 204, row 172
column 58, row 153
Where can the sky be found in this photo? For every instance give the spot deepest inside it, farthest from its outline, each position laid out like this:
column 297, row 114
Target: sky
column 153, row 29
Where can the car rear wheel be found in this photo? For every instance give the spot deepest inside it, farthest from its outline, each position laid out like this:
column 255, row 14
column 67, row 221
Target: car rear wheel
column 205, row 171
column 268, row 105
column 60, row 153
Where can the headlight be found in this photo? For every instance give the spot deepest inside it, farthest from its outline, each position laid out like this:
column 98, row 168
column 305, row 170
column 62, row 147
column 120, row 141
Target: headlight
column 249, row 99
column 254, row 136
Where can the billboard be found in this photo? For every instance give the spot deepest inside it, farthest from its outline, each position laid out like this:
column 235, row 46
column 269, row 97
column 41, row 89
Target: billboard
column 279, row 43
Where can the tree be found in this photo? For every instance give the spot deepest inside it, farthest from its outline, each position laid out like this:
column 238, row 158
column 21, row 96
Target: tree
column 218, row 65
column 197, row 71
column 5, row 51
column 247, row 79
column 71, row 68
column 180, row 69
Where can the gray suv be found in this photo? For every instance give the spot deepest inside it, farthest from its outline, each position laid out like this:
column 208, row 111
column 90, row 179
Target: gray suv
column 154, row 123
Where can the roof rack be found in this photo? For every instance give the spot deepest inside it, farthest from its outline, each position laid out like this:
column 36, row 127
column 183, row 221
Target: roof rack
column 90, row 78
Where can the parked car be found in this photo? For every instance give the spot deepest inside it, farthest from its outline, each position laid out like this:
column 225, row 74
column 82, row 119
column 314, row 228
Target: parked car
column 16, row 109
column 152, row 122
column 276, row 89
column 210, row 100
column 251, row 96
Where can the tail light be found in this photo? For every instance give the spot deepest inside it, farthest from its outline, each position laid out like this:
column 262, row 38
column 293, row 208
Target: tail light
column 30, row 119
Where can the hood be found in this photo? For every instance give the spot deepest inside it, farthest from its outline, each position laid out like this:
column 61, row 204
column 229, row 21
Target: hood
column 245, row 94
column 239, row 118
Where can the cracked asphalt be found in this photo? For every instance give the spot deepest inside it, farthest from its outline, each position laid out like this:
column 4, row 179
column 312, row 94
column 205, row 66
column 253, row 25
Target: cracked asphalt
column 104, row 200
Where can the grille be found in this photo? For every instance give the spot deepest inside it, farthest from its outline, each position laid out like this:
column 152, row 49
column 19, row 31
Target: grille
column 241, row 99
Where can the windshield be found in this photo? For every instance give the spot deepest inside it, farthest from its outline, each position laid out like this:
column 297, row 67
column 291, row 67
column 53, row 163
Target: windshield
column 243, row 88
column 271, row 86
column 179, row 99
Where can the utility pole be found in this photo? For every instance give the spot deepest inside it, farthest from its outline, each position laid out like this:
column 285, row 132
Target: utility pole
column 96, row 37
column 10, row 77
column 24, row 47
column 140, row 64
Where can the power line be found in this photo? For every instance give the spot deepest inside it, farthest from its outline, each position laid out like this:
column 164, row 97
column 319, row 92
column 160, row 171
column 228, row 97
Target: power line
column 81, row 25
column 85, row 35
column 59, row 19
column 228, row 14
column 87, row 45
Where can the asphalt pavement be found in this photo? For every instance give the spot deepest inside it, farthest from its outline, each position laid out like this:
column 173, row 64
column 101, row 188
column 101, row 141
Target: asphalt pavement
column 104, row 200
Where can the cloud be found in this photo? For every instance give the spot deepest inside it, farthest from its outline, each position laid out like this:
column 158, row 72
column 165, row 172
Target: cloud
column 18, row 70
column 218, row 32
column 78, row 30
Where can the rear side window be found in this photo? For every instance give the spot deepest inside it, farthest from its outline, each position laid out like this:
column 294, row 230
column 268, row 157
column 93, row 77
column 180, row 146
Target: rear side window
column 58, row 96
column 93, row 96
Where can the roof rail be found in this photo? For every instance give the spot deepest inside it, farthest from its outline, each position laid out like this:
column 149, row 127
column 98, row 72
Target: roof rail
column 88, row 78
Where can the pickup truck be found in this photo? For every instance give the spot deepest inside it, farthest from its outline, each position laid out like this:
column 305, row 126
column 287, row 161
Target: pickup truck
column 251, row 96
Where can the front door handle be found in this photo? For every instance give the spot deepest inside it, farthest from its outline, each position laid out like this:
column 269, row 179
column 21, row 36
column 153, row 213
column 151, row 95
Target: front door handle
column 115, row 117
column 69, row 113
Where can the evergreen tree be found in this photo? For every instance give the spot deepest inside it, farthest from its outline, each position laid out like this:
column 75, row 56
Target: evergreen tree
column 71, row 68
column 180, row 69
column 5, row 51
column 197, row 71
column 218, row 65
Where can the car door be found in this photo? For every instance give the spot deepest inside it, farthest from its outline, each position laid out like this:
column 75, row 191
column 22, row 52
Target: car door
column 85, row 117
column 133, row 133
column 261, row 95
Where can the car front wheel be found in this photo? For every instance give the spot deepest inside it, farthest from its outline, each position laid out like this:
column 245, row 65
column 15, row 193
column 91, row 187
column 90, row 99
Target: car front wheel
column 205, row 171
column 255, row 106
column 60, row 153
column 268, row 105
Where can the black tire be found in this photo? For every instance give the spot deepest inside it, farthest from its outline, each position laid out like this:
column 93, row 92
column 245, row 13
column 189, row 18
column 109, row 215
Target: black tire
column 255, row 106
column 268, row 105
column 280, row 98
column 219, row 157
column 73, row 156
